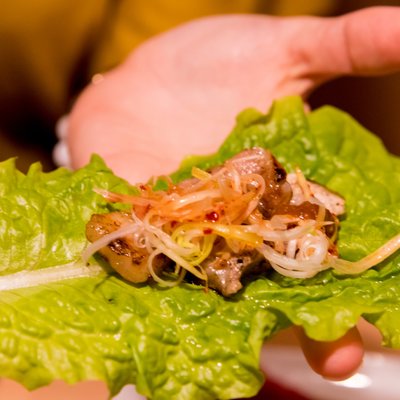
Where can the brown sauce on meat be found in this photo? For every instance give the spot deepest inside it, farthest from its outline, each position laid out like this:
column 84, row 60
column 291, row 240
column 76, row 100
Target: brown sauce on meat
column 308, row 210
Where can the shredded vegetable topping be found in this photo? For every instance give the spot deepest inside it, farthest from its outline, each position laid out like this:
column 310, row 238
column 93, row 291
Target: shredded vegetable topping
column 221, row 214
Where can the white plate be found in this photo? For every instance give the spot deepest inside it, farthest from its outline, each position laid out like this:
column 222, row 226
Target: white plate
column 377, row 379
column 129, row 393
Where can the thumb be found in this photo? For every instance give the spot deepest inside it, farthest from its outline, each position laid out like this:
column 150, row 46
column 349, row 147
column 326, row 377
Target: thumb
column 333, row 360
column 365, row 42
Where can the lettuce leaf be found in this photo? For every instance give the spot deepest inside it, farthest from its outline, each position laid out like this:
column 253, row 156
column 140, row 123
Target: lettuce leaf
column 184, row 343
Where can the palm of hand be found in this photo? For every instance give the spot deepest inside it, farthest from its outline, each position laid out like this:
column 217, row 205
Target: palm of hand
column 179, row 93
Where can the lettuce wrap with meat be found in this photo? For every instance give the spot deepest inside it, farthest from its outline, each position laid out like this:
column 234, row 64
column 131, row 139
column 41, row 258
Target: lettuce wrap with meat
column 60, row 319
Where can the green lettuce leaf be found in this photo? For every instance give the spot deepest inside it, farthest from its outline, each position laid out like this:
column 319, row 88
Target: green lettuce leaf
column 184, row 343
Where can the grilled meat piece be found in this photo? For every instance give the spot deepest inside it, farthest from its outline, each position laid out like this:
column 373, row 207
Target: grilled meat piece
column 129, row 261
column 226, row 269
column 260, row 161
column 332, row 201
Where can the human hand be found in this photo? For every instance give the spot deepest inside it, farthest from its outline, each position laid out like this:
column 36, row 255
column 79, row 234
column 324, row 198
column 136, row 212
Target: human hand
column 178, row 94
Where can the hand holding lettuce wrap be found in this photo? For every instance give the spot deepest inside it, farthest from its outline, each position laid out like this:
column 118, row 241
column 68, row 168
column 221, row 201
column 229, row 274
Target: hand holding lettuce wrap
column 178, row 94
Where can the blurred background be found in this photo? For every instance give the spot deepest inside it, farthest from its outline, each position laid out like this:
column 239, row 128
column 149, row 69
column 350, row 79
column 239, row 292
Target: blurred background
column 49, row 51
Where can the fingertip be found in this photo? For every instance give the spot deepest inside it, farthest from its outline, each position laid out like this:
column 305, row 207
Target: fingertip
column 336, row 360
column 344, row 359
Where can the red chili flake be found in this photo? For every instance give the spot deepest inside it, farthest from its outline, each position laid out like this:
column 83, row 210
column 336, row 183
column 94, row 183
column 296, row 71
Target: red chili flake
column 207, row 231
column 212, row 216
column 173, row 224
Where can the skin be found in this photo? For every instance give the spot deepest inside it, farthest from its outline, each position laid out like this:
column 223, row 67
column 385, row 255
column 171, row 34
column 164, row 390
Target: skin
column 179, row 92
